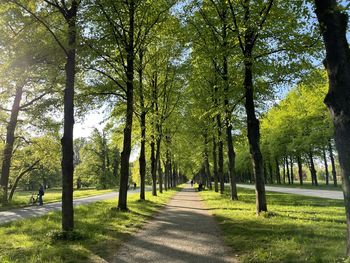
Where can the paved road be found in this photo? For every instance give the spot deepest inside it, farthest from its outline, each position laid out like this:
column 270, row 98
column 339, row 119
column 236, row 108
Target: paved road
column 307, row 192
column 183, row 231
column 32, row 211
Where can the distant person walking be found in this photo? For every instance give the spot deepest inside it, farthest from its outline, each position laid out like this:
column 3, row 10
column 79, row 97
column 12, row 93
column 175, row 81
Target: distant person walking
column 40, row 194
column 191, row 183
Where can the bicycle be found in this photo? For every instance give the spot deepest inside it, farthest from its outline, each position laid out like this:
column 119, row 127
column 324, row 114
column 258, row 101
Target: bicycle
column 33, row 200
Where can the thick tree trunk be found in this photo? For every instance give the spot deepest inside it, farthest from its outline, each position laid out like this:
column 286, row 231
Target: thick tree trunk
column 142, row 158
column 253, row 128
column 230, row 150
column 312, row 169
column 231, row 160
column 325, row 164
column 221, row 155
column 334, row 23
column 216, row 186
column 334, row 172
column 68, row 124
column 10, row 139
column 300, row 170
column 125, row 156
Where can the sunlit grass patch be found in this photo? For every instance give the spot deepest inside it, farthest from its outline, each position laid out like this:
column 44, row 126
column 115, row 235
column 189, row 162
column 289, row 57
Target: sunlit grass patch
column 296, row 228
column 103, row 230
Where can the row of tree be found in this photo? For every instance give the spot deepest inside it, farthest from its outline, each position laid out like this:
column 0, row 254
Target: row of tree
column 192, row 73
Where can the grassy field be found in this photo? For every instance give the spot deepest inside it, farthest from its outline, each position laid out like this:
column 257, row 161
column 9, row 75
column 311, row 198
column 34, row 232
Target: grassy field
column 21, row 198
column 296, row 228
column 102, row 228
column 308, row 185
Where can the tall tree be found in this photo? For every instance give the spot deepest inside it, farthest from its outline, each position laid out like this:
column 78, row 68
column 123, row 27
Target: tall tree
column 334, row 22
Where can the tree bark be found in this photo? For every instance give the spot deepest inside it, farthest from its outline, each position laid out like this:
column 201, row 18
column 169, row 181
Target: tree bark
column 312, row 169
column 284, row 170
column 68, row 123
column 334, row 172
column 19, row 177
column 334, row 23
column 125, row 156
column 300, row 170
column 291, row 170
column 159, row 166
column 206, row 162
column 142, row 158
column 10, row 139
column 287, row 167
column 325, row 164
column 221, row 155
column 216, row 186
column 153, row 167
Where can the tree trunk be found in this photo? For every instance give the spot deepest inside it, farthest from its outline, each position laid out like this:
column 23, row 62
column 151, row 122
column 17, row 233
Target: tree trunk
column 68, row 124
column 284, row 171
column 153, row 167
column 334, row 23
column 159, row 166
column 206, row 162
column 10, row 139
column 287, row 167
column 325, row 164
column 216, row 186
column 271, row 173
column 291, row 170
column 221, row 155
column 334, row 172
column 312, row 169
column 19, row 177
column 125, row 156
column 253, row 125
column 230, row 150
column 142, row 158
column 278, row 172
column 300, row 170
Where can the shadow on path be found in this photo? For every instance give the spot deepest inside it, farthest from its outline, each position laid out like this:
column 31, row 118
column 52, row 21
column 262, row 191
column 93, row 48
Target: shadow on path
column 182, row 232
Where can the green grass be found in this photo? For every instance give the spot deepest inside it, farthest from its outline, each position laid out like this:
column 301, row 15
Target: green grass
column 296, row 228
column 102, row 227
column 21, row 198
column 308, row 185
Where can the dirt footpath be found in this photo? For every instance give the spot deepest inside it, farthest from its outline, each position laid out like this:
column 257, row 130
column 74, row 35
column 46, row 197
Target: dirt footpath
column 182, row 232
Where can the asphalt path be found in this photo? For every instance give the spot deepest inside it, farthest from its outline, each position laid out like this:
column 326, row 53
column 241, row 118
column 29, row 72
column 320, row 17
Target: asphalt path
column 338, row 195
column 33, row 211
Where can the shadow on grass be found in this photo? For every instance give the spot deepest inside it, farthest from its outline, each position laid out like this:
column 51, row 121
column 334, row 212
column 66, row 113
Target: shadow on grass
column 302, row 229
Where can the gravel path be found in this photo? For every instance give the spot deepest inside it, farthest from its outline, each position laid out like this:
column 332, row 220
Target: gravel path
column 183, row 231
column 33, row 211
column 307, row 192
